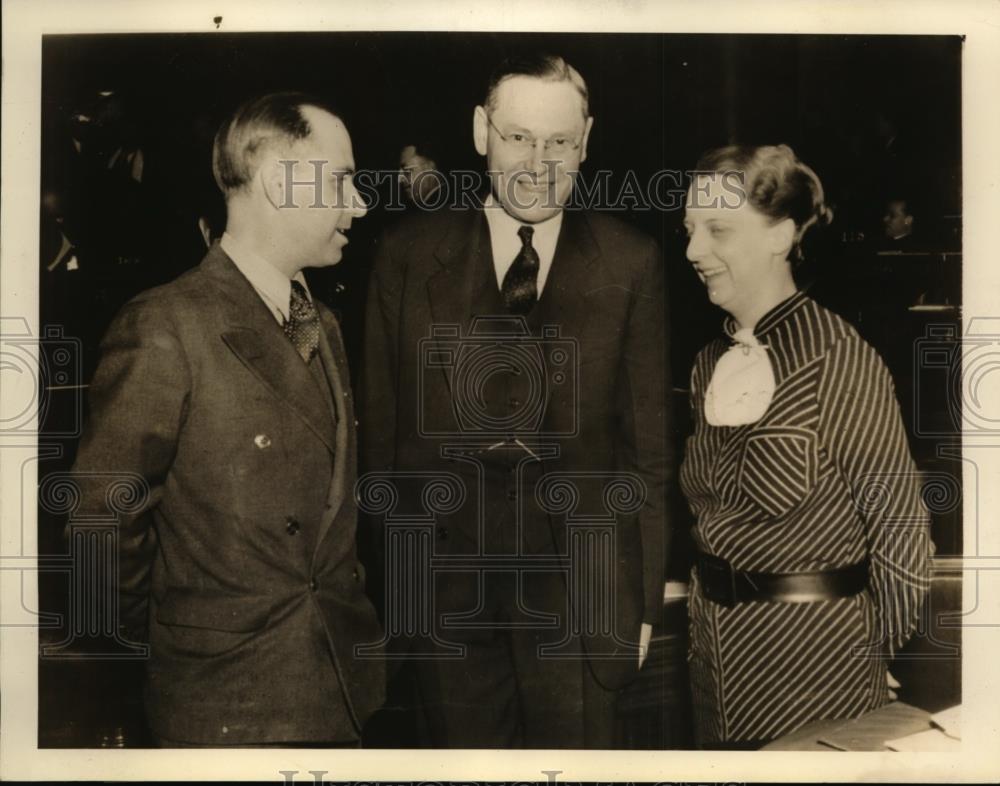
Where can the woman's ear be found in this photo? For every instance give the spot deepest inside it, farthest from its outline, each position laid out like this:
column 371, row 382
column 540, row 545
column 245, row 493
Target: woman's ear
column 782, row 237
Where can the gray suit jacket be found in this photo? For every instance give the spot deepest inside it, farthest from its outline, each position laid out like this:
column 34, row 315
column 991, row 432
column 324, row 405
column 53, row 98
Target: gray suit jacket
column 241, row 563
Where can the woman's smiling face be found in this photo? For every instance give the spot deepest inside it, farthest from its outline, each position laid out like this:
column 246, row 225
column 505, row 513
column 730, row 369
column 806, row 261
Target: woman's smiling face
column 735, row 249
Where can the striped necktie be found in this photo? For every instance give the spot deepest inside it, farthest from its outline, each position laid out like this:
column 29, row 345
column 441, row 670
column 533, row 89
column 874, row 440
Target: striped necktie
column 302, row 325
column 520, row 284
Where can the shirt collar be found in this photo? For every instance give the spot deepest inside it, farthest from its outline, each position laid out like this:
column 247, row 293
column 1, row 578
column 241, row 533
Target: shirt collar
column 772, row 318
column 503, row 224
column 271, row 284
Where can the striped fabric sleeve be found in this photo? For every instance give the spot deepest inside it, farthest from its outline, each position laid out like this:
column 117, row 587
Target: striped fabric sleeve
column 862, row 427
column 693, row 387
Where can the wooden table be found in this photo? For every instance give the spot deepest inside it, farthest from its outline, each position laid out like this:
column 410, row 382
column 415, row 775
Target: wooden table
column 867, row 733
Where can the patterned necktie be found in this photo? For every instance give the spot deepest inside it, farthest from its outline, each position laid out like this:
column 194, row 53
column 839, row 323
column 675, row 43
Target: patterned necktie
column 302, row 325
column 520, row 284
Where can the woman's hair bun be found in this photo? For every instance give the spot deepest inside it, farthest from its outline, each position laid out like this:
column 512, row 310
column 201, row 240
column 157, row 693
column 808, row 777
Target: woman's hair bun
column 824, row 216
column 776, row 183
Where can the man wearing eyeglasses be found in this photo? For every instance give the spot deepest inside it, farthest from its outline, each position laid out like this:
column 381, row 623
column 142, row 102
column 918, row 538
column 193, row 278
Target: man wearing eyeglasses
column 519, row 349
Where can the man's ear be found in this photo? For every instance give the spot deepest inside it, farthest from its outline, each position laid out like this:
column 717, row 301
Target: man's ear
column 271, row 178
column 782, row 237
column 480, row 129
column 586, row 136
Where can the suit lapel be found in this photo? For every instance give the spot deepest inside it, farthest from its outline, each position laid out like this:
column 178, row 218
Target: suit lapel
column 450, row 290
column 253, row 335
column 335, row 363
column 575, row 275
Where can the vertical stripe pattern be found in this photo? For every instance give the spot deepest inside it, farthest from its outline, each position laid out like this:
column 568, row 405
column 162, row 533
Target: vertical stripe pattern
column 823, row 480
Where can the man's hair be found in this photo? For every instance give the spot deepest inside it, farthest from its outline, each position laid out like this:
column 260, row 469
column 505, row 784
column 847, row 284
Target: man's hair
column 423, row 146
column 551, row 68
column 898, row 197
column 258, row 125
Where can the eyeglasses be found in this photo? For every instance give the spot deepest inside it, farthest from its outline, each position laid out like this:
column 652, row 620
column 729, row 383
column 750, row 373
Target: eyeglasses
column 556, row 146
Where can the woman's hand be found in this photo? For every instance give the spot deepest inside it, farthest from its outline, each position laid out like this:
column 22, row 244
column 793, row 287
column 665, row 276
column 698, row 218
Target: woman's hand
column 893, row 684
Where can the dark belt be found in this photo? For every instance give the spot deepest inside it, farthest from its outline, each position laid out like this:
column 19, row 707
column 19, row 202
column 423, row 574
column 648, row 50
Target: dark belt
column 723, row 584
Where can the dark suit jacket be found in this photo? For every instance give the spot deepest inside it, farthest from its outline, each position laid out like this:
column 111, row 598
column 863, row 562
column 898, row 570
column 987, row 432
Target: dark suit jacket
column 605, row 291
column 241, row 562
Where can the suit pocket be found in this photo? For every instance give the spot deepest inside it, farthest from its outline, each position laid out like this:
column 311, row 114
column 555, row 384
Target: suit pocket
column 778, row 467
column 193, row 608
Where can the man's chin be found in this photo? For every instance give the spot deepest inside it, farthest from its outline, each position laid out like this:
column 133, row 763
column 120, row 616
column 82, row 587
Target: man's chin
column 329, row 260
column 532, row 215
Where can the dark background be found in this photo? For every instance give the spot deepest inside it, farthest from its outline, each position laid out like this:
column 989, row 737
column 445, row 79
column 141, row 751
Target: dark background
column 871, row 114
column 875, row 116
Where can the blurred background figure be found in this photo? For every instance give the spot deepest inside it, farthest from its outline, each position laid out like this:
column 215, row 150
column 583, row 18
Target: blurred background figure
column 419, row 176
column 105, row 135
column 897, row 224
column 94, row 215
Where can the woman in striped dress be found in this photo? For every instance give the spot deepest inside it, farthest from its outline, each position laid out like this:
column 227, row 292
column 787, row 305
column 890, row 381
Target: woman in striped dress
column 813, row 541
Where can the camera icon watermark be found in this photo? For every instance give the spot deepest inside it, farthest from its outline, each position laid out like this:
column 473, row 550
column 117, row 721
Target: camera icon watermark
column 34, row 369
column 499, row 355
column 966, row 370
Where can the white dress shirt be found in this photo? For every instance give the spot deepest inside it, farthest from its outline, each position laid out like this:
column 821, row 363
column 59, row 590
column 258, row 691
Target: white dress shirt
column 273, row 286
column 506, row 243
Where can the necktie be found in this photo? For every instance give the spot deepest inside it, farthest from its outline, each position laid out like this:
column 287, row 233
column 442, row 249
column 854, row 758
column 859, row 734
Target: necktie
column 520, row 284
column 302, row 325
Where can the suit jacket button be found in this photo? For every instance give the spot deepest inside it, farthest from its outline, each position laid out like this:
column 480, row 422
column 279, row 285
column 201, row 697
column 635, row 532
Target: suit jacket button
column 442, row 533
column 291, row 526
column 356, row 575
column 314, row 585
column 262, row 441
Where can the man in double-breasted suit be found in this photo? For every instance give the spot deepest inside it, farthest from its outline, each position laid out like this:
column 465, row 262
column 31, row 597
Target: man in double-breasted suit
column 226, row 392
column 518, row 349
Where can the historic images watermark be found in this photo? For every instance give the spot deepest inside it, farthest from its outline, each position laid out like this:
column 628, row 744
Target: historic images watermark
column 551, row 777
column 956, row 367
column 35, row 368
column 960, row 365
column 413, row 509
column 666, row 190
column 44, row 394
